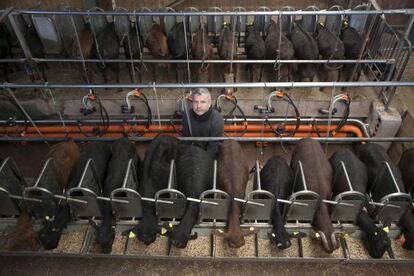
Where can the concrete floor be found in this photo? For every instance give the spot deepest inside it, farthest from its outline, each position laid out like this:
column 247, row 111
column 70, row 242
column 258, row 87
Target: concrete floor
column 115, row 266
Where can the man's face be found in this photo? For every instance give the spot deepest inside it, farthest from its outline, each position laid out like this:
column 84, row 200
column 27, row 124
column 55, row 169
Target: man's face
column 201, row 104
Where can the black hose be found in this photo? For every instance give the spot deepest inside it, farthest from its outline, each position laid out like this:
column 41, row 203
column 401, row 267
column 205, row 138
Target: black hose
column 289, row 100
column 233, row 100
column 149, row 111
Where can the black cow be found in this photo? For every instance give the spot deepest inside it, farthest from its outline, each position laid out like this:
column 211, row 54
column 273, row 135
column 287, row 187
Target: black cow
column 375, row 239
column 49, row 235
column 305, row 47
column 122, row 151
column 406, row 166
column 374, row 156
column 279, row 47
column 133, row 47
column 156, row 170
column 255, row 49
column 318, row 175
column 5, row 50
column 330, row 48
column 106, row 46
column 277, row 178
column 353, row 43
column 194, row 175
column 177, row 44
column 227, row 49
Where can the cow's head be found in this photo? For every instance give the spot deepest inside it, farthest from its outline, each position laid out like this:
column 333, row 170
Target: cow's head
column 104, row 236
column 329, row 242
column 235, row 238
column 49, row 236
column 179, row 238
column 376, row 242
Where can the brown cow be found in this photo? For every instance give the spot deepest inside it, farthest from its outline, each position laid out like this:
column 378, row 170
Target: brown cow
column 318, row 176
column 201, row 48
column 158, row 47
column 85, row 52
column 233, row 174
column 22, row 237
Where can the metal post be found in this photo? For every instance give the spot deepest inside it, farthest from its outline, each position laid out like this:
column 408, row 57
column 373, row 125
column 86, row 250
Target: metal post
column 20, row 37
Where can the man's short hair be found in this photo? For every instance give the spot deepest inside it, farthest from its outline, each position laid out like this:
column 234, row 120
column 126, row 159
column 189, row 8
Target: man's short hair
column 202, row 91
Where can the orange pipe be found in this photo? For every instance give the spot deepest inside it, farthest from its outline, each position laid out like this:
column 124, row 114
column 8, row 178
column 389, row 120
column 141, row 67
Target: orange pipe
column 166, row 128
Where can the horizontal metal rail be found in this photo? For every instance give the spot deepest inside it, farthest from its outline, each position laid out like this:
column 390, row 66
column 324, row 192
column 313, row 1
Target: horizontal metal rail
column 242, row 61
column 240, row 139
column 224, row 13
column 216, row 85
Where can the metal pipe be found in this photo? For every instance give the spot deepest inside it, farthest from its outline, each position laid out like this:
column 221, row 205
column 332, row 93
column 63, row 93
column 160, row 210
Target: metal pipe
column 337, row 203
column 216, row 85
column 202, row 201
column 156, row 200
column 240, row 139
column 248, row 202
column 224, row 13
column 248, row 61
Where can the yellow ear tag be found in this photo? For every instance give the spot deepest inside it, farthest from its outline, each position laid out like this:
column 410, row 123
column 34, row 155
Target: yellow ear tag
column 295, row 233
column 47, row 217
column 220, row 231
column 170, row 225
column 386, row 229
column 273, row 235
column 317, row 235
column 163, row 231
column 131, row 235
column 346, row 236
column 251, row 229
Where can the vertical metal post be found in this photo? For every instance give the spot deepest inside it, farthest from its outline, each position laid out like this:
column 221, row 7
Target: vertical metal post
column 346, row 175
column 215, row 175
column 20, row 37
column 171, row 176
column 259, row 184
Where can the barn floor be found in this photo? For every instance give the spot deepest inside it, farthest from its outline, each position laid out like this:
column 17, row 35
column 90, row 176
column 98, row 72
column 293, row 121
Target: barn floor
column 150, row 266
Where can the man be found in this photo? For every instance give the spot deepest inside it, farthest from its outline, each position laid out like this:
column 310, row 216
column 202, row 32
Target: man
column 203, row 121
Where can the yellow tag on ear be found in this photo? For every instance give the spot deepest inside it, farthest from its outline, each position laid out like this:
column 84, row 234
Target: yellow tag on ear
column 346, row 235
column 47, row 217
column 131, row 235
column 273, row 235
column 386, row 229
column 170, row 225
column 295, row 233
column 317, row 235
column 251, row 228
column 220, row 231
column 163, row 231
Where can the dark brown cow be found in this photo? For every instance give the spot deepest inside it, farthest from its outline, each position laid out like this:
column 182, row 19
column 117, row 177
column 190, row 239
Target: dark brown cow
column 85, row 51
column 201, row 48
column 233, row 174
column 22, row 237
column 318, row 176
column 158, row 47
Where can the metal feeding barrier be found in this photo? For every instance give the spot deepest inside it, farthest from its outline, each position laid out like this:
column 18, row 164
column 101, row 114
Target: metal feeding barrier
column 341, row 212
column 218, row 212
column 129, row 193
column 296, row 212
column 394, row 202
column 259, row 203
column 46, row 191
column 88, row 191
column 10, row 191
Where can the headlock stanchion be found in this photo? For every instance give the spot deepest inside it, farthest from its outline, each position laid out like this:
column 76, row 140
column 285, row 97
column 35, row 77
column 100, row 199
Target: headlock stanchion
column 345, row 213
column 395, row 198
column 45, row 188
column 10, row 191
column 218, row 212
column 259, row 203
column 168, row 211
column 129, row 193
column 88, row 190
column 296, row 212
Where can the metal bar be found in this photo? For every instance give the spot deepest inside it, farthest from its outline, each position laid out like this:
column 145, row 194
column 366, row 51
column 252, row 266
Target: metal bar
column 109, row 199
column 248, row 61
column 215, row 174
column 259, row 183
column 248, row 202
column 202, row 201
column 25, row 198
column 302, row 175
column 346, row 176
column 240, row 139
column 224, row 13
column 70, row 199
column 337, row 203
column 170, row 177
column 383, row 205
column 5, row 13
column 216, row 85
column 291, row 202
column 156, row 200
